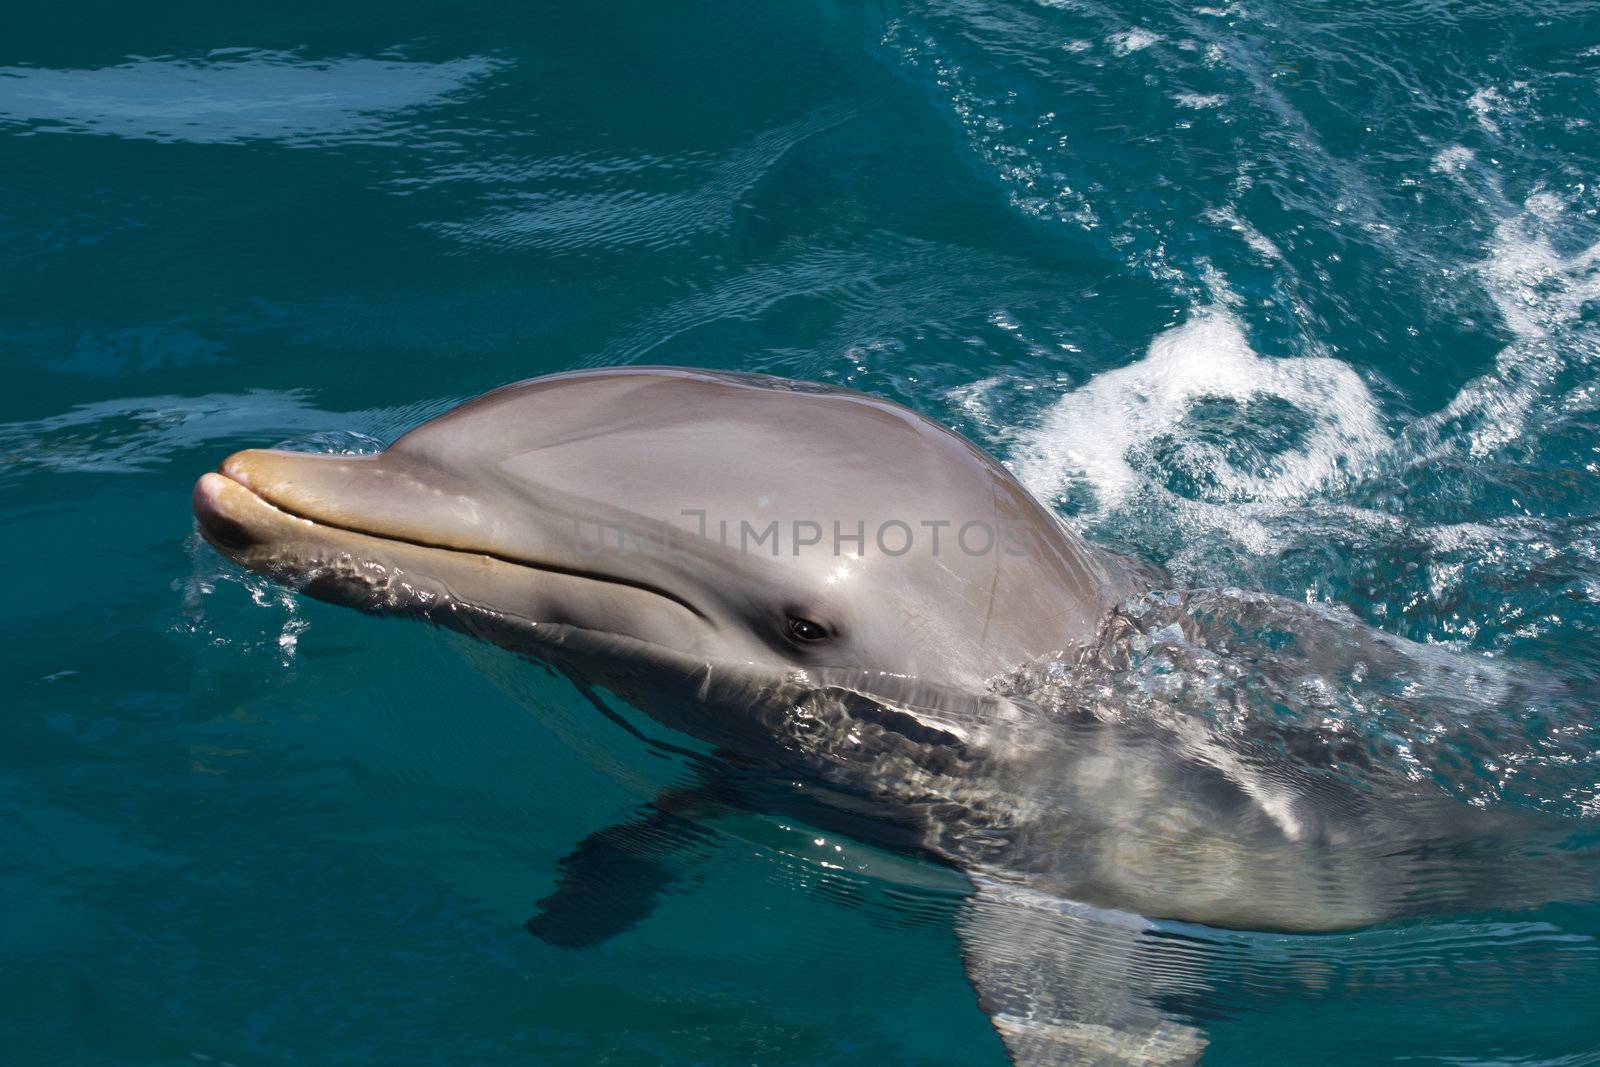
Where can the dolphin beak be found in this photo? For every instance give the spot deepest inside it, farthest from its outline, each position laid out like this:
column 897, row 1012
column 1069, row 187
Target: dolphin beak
column 258, row 497
column 261, row 495
column 264, row 508
column 349, row 529
column 388, row 533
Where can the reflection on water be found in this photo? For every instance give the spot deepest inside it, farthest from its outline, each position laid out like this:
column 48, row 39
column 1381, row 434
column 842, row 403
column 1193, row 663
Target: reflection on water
column 233, row 94
column 142, row 433
column 598, row 205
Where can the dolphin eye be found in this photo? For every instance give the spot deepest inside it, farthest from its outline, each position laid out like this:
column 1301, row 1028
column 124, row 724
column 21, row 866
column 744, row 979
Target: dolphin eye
column 806, row 630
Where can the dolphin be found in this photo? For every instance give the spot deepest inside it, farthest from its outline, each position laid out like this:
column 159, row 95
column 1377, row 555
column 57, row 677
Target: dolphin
column 832, row 589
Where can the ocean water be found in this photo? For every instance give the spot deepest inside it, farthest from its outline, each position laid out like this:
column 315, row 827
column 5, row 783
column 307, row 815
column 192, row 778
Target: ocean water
column 1289, row 296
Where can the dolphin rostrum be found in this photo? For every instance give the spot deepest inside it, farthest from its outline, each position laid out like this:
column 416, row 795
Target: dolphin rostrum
column 829, row 585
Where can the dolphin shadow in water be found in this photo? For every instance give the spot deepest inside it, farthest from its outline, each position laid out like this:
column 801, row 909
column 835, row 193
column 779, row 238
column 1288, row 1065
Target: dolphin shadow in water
column 612, row 880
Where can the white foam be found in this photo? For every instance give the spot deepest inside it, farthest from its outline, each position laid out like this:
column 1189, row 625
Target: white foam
column 1258, row 241
column 1490, row 106
column 1547, row 206
column 1091, row 433
column 1484, row 103
column 1200, row 101
column 1133, row 40
column 1452, row 160
column 1535, row 288
column 1540, row 293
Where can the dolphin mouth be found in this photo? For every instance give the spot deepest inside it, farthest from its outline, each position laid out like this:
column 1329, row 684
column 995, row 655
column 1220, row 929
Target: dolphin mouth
column 250, row 523
column 221, row 519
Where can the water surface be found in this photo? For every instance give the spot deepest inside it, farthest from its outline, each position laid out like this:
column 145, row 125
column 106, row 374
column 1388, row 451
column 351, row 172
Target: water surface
column 1297, row 297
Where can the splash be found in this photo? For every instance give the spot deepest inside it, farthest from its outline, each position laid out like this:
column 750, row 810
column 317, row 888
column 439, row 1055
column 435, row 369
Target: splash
column 272, row 628
column 1249, row 679
column 212, row 585
column 1204, row 417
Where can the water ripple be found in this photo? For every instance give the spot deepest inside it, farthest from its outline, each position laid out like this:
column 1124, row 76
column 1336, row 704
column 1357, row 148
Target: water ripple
column 233, row 95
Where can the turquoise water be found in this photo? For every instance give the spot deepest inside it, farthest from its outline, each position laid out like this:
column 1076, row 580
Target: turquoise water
column 1297, row 297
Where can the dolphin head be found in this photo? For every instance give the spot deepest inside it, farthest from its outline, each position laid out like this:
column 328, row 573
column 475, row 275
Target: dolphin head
column 669, row 531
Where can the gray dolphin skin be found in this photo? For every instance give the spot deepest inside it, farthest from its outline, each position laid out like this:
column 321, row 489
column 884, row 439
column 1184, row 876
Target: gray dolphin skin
column 827, row 585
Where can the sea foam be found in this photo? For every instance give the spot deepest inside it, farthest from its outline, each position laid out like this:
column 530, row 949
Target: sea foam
column 1102, row 433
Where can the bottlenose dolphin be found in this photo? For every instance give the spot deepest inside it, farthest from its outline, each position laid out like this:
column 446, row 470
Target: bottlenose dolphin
column 827, row 585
